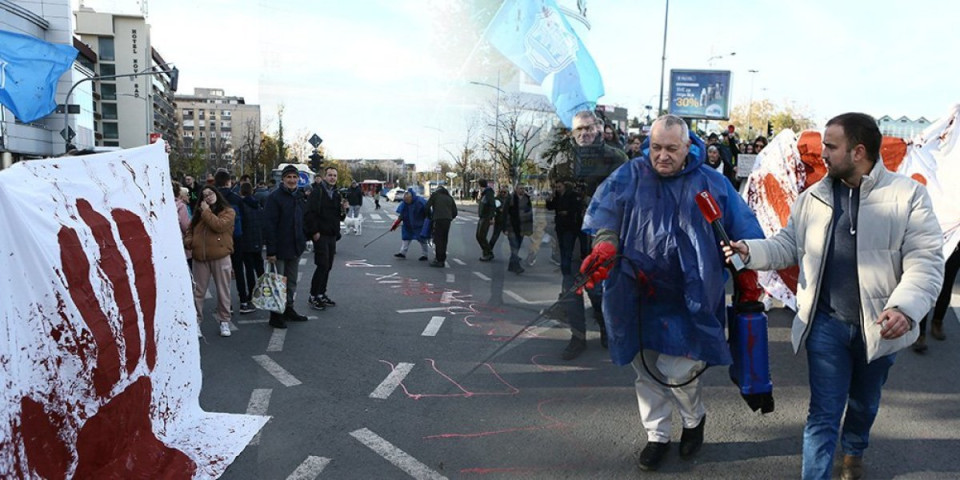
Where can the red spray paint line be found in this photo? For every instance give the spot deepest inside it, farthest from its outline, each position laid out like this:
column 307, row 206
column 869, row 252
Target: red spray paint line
column 140, row 248
column 114, row 266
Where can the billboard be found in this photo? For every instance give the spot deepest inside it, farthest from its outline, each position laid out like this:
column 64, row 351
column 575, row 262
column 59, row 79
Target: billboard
column 700, row 94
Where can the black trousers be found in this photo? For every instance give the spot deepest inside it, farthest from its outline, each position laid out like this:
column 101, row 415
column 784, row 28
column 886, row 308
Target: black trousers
column 251, row 268
column 324, row 250
column 943, row 301
column 236, row 261
column 441, row 234
column 483, row 228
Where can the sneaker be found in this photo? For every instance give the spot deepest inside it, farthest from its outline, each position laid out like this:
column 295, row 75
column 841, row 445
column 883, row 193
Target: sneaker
column 224, row 329
column 325, row 300
column 486, row 258
column 652, row 455
column 692, row 439
column 436, row 264
column 574, row 348
column 247, row 307
column 276, row 320
column 316, row 304
column 399, row 255
column 423, row 258
column 291, row 315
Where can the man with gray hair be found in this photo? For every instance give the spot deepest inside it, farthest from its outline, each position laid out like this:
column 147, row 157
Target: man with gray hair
column 664, row 301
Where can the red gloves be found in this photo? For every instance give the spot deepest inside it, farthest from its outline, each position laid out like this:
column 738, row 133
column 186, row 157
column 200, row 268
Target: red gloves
column 396, row 224
column 597, row 265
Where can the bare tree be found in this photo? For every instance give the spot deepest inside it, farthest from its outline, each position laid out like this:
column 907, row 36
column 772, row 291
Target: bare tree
column 464, row 156
column 248, row 148
column 516, row 136
column 300, row 148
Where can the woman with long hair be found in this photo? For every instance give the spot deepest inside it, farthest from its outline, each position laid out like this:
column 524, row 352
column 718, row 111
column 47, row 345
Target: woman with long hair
column 210, row 239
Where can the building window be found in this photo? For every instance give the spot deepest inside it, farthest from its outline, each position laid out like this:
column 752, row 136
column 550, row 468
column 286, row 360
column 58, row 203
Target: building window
column 107, row 69
column 111, row 144
column 109, row 111
column 108, row 91
column 106, row 49
column 110, row 130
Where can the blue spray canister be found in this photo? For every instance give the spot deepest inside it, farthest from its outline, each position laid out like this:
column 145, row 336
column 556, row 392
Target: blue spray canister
column 751, row 356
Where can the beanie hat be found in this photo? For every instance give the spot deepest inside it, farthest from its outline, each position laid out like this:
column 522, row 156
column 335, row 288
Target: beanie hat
column 288, row 170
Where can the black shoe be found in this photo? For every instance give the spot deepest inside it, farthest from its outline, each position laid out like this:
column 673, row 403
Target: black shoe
column 692, row 439
column 247, row 307
column 603, row 337
column 399, row 255
column 316, row 304
column 486, row 258
column 291, row 315
column 325, row 300
column 276, row 320
column 436, row 264
column 423, row 258
column 652, row 455
column 574, row 348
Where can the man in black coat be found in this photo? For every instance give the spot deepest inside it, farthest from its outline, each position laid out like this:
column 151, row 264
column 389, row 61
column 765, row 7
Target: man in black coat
column 322, row 224
column 285, row 239
column 355, row 199
column 441, row 209
column 487, row 210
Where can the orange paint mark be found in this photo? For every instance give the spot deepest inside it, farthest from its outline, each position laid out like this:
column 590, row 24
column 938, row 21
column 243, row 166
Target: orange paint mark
column 919, row 178
column 893, row 150
column 777, row 198
column 810, row 147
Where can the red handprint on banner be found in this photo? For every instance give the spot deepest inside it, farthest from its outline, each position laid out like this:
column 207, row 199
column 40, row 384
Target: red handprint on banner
column 117, row 441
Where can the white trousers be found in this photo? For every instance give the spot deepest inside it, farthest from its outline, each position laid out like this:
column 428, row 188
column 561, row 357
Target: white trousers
column 657, row 401
column 405, row 245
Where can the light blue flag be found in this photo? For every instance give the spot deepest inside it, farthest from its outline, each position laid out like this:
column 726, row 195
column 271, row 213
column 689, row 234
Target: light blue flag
column 537, row 38
column 29, row 70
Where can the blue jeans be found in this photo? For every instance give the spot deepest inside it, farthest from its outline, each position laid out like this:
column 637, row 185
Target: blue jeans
column 840, row 378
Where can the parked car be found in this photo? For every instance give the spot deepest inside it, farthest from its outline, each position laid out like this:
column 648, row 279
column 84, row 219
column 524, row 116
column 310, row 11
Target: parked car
column 396, row 194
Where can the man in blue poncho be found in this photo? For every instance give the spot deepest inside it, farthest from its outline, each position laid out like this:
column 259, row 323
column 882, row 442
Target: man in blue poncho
column 412, row 214
column 665, row 294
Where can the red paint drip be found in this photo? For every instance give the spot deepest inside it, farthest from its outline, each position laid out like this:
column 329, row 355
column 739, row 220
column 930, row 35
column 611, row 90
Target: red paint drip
column 46, row 451
column 140, row 248
column 465, row 393
column 115, row 267
column 76, row 269
column 751, row 343
column 120, row 440
column 554, row 424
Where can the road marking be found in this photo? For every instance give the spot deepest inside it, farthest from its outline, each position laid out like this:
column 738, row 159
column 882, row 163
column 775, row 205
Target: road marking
column 362, row 263
column 388, row 282
column 447, row 296
column 303, row 261
column 276, row 340
column 458, row 261
column 207, row 295
column 433, row 327
column 254, row 320
column 450, row 278
column 309, row 469
column 394, row 455
column 299, row 277
column 482, row 276
column 375, row 216
column 259, row 402
column 520, row 299
column 278, row 372
column 389, row 384
column 421, row 310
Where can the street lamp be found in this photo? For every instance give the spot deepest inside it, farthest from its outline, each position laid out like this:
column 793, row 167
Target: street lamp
column 496, row 123
column 753, row 76
column 718, row 57
column 663, row 57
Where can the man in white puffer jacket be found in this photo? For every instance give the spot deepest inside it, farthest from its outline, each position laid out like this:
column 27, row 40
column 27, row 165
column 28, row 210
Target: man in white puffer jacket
column 871, row 263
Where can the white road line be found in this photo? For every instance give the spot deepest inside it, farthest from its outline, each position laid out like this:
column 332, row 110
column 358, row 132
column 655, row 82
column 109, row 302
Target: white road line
column 299, row 277
column 450, row 278
column 309, row 469
column 278, row 372
column 482, row 276
column 433, row 327
column 421, row 310
column 447, row 296
column 253, row 320
column 458, row 261
column 394, row 455
column 375, row 216
column 207, row 296
column 276, row 340
column 520, row 299
column 259, row 403
column 303, row 261
column 389, row 384
column 233, row 328
column 387, row 282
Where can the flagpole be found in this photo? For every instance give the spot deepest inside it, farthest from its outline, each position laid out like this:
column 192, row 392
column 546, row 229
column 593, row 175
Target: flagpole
column 663, row 58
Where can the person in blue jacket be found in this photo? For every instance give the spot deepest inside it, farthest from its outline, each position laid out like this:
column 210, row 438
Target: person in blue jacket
column 664, row 299
column 412, row 214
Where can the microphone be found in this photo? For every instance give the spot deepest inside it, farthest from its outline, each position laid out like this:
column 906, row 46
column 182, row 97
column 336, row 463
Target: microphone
column 711, row 211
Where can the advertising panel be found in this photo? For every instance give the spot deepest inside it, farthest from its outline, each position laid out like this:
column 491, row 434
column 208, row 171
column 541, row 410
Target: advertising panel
column 700, row 94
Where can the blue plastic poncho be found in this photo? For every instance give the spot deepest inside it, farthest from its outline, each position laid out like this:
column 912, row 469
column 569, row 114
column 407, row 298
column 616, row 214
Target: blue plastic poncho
column 672, row 285
column 414, row 217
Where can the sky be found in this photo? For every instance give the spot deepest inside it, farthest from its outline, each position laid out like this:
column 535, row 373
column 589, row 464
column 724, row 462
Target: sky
column 374, row 78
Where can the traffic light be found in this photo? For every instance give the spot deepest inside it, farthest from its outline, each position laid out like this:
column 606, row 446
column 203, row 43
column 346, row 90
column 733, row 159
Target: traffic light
column 769, row 129
column 315, row 160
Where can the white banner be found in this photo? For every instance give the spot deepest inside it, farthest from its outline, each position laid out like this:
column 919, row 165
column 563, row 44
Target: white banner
column 99, row 378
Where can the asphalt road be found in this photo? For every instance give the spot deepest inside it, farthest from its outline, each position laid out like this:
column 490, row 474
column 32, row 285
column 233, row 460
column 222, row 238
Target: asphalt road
column 400, row 380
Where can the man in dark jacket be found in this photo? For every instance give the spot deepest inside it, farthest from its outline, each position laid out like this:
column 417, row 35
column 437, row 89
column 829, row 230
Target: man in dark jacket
column 285, row 239
column 355, row 199
column 441, row 209
column 250, row 246
column 322, row 225
column 486, row 211
column 222, row 181
column 520, row 217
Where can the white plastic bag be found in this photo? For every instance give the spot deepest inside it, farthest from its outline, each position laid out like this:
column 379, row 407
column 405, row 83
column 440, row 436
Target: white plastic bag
column 270, row 293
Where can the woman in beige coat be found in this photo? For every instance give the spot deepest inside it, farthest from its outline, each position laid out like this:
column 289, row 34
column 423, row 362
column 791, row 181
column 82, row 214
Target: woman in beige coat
column 210, row 239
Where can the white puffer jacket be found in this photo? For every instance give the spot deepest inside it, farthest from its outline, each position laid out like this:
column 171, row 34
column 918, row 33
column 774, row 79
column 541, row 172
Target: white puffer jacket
column 899, row 253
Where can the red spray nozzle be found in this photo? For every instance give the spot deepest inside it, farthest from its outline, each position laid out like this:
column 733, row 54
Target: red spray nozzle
column 708, row 206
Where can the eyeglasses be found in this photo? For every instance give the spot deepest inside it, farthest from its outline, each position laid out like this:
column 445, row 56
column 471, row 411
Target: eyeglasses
column 583, row 129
